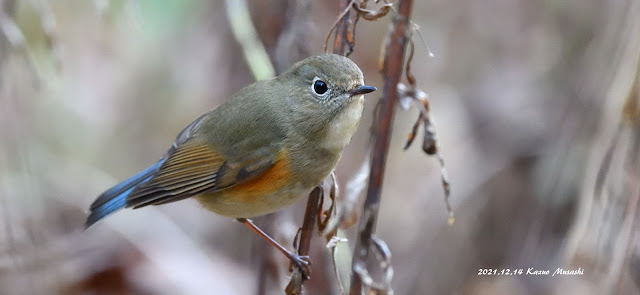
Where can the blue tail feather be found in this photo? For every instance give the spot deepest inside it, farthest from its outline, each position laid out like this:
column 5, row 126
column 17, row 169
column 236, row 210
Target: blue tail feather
column 115, row 198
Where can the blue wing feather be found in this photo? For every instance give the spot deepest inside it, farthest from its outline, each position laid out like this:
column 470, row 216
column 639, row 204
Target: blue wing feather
column 115, row 198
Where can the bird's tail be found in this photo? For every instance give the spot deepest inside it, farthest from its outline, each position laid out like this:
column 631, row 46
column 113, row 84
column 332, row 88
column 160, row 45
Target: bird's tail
column 115, row 198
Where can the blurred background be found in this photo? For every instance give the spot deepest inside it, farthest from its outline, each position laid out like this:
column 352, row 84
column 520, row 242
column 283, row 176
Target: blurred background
column 532, row 102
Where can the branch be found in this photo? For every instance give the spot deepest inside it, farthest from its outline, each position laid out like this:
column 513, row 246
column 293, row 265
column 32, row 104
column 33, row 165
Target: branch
column 341, row 40
column 392, row 71
column 304, row 244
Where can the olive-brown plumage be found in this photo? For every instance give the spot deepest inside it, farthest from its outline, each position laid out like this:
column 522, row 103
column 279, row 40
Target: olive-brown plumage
column 269, row 144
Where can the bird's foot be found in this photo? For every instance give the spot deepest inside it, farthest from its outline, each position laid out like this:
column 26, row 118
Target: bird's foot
column 301, row 262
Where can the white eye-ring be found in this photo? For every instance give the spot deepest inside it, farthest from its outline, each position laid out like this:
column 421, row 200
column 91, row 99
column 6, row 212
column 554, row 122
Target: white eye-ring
column 319, row 87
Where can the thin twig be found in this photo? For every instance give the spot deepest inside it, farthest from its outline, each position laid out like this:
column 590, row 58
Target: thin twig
column 345, row 37
column 344, row 13
column 341, row 41
column 392, row 71
column 304, row 244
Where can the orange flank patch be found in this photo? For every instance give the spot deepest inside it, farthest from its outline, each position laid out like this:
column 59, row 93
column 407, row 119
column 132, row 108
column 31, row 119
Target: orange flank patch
column 269, row 182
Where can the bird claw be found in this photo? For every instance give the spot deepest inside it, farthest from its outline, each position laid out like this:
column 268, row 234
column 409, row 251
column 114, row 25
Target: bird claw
column 303, row 263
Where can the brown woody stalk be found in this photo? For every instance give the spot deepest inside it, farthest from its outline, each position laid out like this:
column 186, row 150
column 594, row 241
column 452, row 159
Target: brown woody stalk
column 393, row 66
column 304, row 244
column 341, row 43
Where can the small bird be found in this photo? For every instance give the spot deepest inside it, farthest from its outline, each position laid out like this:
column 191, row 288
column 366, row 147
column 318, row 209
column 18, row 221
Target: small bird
column 268, row 145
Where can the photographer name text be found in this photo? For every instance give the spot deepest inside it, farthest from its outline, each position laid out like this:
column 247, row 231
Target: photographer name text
column 531, row 271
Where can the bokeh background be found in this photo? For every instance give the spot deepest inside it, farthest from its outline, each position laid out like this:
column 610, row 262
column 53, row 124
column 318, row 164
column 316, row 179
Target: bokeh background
column 527, row 97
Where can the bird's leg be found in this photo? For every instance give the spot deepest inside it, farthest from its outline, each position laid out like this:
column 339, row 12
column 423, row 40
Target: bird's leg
column 301, row 262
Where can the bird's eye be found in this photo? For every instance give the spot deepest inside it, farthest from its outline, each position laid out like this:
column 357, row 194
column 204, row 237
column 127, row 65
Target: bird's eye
column 319, row 87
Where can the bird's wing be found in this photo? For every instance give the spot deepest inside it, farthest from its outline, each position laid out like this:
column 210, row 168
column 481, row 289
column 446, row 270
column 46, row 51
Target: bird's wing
column 193, row 168
column 200, row 162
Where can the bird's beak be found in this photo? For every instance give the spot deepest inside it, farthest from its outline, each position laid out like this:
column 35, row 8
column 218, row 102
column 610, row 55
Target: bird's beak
column 361, row 89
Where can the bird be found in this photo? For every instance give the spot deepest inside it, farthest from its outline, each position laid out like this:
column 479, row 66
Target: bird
column 265, row 147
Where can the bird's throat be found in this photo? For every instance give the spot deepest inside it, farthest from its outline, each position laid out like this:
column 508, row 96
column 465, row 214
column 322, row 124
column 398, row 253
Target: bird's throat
column 342, row 127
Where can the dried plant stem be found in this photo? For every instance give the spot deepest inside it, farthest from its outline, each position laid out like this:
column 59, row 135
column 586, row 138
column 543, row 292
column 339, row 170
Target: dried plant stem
column 393, row 66
column 304, row 243
column 341, row 41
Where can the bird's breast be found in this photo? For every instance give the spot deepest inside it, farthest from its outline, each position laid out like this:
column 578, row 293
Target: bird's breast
column 304, row 164
column 273, row 190
column 313, row 159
